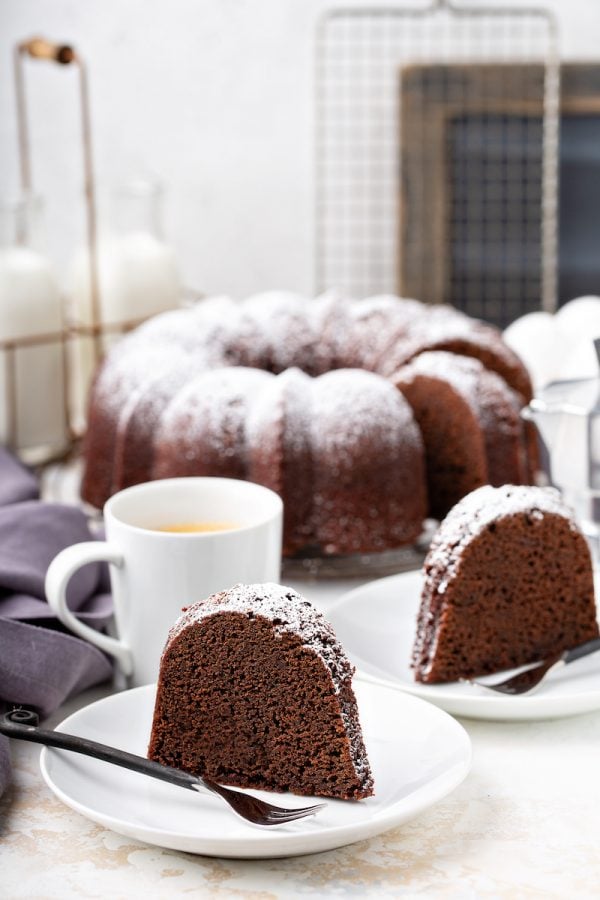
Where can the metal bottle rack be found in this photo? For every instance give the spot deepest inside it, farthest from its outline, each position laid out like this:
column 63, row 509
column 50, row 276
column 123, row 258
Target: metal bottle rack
column 41, row 49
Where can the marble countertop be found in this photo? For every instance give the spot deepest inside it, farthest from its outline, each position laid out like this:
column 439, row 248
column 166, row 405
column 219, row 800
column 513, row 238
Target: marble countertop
column 525, row 823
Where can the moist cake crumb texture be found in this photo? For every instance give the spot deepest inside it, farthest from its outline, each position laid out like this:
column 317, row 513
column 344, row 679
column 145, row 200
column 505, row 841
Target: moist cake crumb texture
column 255, row 691
column 508, row 581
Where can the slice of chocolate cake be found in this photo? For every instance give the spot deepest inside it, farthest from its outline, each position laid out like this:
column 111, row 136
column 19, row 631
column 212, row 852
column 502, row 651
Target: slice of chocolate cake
column 508, row 581
column 255, row 691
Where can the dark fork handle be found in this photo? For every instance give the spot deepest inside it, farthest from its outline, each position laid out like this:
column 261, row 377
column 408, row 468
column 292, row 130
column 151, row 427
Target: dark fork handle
column 581, row 650
column 526, row 681
column 22, row 724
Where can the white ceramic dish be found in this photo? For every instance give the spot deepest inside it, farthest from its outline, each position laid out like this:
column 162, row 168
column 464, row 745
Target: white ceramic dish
column 376, row 625
column 418, row 755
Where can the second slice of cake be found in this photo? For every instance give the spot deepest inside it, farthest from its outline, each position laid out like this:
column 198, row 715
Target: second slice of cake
column 508, row 581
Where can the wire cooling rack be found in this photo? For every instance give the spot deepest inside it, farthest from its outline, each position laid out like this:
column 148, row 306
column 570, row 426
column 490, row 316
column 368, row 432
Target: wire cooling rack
column 436, row 155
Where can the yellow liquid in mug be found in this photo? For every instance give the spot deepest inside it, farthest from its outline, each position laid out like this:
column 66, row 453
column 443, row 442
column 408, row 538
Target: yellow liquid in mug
column 197, row 527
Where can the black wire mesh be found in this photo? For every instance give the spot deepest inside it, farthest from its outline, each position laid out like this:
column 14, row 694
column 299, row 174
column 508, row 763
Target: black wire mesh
column 436, row 156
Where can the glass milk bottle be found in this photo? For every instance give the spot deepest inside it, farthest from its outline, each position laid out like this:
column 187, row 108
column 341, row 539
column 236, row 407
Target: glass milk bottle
column 33, row 413
column 137, row 276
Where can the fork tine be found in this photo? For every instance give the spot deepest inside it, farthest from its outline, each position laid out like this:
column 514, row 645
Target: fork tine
column 292, row 816
column 298, row 812
column 260, row 812
column 524, row 682
column 271, row 810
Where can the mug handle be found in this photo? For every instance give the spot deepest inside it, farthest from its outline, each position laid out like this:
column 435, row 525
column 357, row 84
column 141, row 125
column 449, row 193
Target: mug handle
column 59, row 573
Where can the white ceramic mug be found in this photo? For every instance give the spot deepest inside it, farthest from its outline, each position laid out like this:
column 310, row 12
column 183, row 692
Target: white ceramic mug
column 155, row 573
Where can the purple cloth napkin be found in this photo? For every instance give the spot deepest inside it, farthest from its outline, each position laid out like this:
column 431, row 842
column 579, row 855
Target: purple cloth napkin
column 41, row 665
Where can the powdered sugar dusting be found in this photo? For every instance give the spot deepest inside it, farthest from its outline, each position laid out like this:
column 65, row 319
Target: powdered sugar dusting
column 351, row 405
column 210, row 322
column 444, row 323
column 443, row 326
column 133, row 363
column 347, row 419
column 479, row 509
column 285, row 610
column 442, row 320
column 499, row 405
column 495, row 404
column 297, row 391
column 142, row 411
column 461, row 372
column 373, row 325
column 382, row 306
column 328, row 316
column 197, row 411
column 279, row 330
column 282, row 330
column 189, row 339
column 288, row 396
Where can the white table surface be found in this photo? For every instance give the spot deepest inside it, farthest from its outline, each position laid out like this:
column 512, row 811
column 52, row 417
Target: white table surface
column 525, row 823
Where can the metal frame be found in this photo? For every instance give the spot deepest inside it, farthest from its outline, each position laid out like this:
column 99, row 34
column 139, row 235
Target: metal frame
column 64, row 55
column 38, row 48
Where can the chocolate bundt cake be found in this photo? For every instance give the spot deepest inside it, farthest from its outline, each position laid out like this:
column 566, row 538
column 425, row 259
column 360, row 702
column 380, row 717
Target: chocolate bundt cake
column 508, row 581
column 360, row 502
column 470, row 422
column 203, row 429
column 444, row 328
column 280, row 454
column 322, row 443
column 255, row 691
column 350, row 455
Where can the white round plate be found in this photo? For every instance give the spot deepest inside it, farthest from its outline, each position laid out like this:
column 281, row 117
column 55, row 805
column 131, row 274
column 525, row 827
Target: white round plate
column 376, row 624
column 418, row 755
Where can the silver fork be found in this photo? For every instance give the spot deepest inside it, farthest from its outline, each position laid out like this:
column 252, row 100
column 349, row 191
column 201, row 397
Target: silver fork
column 526, row 681
column 22, row 724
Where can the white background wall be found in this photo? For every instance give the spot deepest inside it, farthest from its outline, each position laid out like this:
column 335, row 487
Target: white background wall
column 214, row 96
